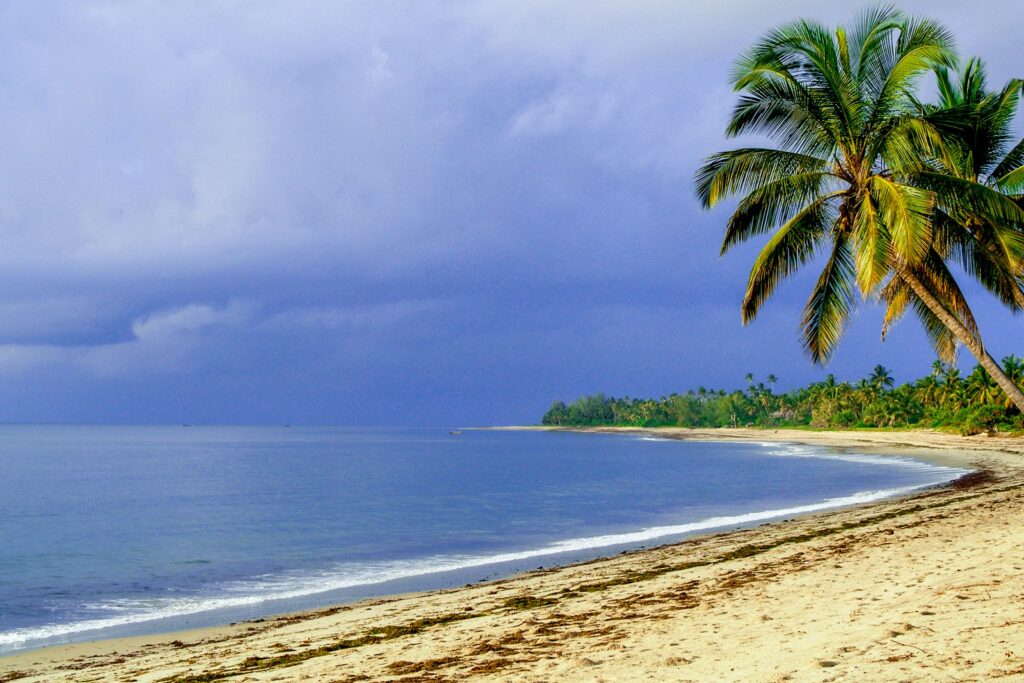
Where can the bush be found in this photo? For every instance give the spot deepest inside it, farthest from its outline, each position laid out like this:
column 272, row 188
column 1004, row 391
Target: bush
column 982, row 419
column 844, row 418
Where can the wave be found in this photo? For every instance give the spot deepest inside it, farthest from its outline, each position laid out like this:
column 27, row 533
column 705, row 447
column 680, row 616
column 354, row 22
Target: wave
column 803, row 451
column 285, row 587
column 795, row 450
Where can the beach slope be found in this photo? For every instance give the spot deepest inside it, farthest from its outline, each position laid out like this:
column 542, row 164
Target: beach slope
column 929, row 587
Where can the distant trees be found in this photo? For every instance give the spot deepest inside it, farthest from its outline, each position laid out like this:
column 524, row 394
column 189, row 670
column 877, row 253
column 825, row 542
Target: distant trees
column 588, row 410
column 943, row 399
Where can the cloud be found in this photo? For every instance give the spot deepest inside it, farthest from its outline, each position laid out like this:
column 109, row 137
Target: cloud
column 162, row 342
column 189, row 319
column 226, row 207
column 191, row 338
column 564, row 110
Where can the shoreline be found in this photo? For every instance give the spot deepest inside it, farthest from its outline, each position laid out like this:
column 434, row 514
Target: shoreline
column 471, row 631
column 931, row 446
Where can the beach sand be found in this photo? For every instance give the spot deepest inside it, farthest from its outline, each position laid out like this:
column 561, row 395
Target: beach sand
column 924, row 588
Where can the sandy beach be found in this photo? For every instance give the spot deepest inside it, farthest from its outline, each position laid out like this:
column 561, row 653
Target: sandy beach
column 924, row 588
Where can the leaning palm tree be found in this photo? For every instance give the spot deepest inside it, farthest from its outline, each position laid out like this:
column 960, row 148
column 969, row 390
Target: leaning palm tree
column 847, row 177
column 978, row 146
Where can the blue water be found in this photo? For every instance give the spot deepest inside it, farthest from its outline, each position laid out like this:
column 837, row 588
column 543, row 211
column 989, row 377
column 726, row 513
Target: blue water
column 110, row 531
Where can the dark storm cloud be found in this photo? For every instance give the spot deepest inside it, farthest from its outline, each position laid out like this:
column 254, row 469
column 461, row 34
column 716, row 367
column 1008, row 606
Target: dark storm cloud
column 395, row 212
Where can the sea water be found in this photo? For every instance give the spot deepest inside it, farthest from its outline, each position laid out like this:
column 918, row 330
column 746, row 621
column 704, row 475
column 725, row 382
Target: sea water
column 113, row 531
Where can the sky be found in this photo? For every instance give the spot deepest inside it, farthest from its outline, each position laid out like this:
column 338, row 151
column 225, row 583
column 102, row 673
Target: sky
column 392, row 213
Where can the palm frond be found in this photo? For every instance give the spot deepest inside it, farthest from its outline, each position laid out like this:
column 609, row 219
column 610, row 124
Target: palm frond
column 871, row 242
column 1013, row 181
column 871, row 30
column 830, row 304
column 1012, row 162
column 770, row 205
column 789, row 248
column 782, row 108
column 906, row 213
column 982, row 258
column 896, row 294
column 922, row 44
column 960, row 196
column 742, row 170
column 942, row 340
column 940, row 282
column 803, row 55
column 898, row 298
column 910, row 144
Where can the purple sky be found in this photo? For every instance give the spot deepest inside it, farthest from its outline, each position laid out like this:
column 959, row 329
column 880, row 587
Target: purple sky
column 391, row 212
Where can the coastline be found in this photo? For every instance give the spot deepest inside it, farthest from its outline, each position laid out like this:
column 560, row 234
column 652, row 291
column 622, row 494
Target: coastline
column 931, row 567
column 931, row 446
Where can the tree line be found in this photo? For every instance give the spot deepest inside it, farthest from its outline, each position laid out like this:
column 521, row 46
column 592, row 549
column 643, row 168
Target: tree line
column 944, row 399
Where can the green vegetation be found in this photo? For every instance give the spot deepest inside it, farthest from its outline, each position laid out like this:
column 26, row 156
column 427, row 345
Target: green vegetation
column 944, row 399
column 375, row 635
column 895, row 195
column 522, row 602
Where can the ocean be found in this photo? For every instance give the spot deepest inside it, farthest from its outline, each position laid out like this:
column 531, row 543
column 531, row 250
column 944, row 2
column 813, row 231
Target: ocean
column 115, row 531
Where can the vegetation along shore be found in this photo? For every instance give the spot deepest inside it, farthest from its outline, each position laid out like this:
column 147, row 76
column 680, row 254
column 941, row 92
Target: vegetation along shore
column 944, row 399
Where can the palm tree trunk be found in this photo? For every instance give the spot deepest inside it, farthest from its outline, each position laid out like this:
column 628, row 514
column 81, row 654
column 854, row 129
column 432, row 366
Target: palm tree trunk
column 972, row 342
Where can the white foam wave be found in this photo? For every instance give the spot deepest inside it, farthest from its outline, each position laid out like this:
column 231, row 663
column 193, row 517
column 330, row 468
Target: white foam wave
column 803, row 451
column 287, row 587
column 794, row 450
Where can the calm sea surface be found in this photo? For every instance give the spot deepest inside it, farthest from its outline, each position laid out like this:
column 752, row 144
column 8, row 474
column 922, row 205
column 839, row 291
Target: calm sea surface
column 111, row 531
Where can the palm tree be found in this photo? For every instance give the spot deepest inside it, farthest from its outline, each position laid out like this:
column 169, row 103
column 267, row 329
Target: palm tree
column 981, row 386
column 976, row 125
column 866, row 393
column 898, row 408
column 853, row 176
column 1014, row 369
column 880, row 378
column 928, row 390
column 977, row 147
column 953, row 394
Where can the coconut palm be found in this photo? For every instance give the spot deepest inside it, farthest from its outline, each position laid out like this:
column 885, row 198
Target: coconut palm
column 852, row 176
column 977, row 146
column 953, row 393
column 1014, row 369
column 976, row 125
column 881, row 378
column 928, row 390
column 981, row 387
